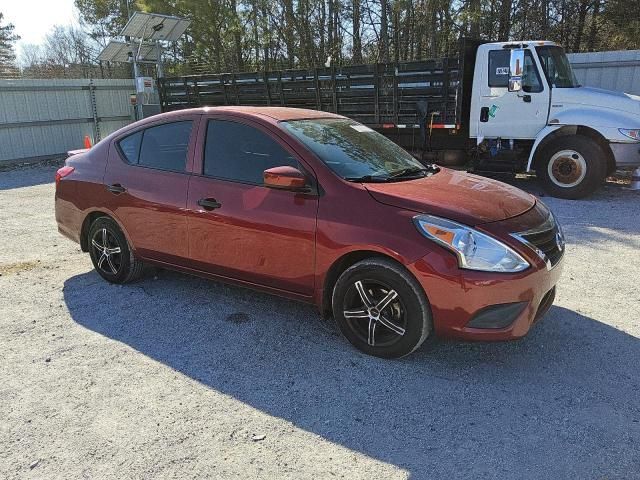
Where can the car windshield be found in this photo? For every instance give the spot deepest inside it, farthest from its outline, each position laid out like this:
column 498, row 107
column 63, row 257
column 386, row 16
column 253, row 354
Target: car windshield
column 556, row 67
column 355, row 152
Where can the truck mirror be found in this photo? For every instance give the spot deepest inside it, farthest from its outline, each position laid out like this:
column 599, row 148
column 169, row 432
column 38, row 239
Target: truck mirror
column 516, row 68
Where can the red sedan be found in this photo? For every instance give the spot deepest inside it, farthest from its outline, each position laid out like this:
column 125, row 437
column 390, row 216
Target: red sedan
column 319, row 208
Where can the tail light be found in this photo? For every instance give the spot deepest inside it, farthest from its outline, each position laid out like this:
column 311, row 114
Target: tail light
column 63, row 172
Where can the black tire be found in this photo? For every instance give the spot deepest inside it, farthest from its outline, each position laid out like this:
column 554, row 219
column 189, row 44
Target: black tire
column 571, row 166
column 110, row 253
column 408, row 312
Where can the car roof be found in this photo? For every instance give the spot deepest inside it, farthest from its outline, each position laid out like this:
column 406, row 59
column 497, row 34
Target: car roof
column 275, row 113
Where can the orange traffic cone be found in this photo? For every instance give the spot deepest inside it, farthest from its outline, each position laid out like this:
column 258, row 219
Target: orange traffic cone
column 87, row 142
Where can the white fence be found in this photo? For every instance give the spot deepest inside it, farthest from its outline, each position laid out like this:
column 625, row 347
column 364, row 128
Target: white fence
column 619, row 70
column 45, row 118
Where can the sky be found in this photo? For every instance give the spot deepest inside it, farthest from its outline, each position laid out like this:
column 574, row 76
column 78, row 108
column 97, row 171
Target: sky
column 33, row 19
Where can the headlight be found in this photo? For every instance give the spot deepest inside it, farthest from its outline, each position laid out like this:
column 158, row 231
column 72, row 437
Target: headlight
column 475, row 250
column 633, row 134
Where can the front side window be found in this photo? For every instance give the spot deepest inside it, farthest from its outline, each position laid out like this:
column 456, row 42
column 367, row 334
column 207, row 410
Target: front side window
column 531, row 81
column 241, row 153
column 163, row 147
column 499, row 71
column 499, row 68
column 352, row 150
column 556, row 67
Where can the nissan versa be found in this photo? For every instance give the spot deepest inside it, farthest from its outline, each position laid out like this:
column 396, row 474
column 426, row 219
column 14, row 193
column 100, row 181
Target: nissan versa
column 319, row 208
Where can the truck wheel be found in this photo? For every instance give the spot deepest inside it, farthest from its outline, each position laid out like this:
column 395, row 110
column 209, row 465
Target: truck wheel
column 571, row 167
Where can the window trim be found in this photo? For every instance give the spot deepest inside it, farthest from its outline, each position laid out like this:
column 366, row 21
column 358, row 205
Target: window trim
column 142, row 128
column 311, row 178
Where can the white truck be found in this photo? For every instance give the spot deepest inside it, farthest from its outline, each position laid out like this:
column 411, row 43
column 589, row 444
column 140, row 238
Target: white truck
column 572, row 136
column 507, row 107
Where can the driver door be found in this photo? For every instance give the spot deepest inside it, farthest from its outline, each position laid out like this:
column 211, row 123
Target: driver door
column 505, row 114
column 240, row 229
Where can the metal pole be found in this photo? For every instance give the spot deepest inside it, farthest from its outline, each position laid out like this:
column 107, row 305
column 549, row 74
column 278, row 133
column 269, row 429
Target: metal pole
column 160, row 67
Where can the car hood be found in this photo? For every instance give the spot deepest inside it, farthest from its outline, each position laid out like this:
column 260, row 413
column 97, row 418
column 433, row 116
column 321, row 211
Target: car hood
column 597, row 97
column 458, row 196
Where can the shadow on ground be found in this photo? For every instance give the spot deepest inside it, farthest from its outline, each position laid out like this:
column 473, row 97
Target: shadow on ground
column 21, row 177
column 562, row 403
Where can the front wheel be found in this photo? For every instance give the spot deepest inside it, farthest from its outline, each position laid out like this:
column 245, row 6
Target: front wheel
column 381, row 309
column 571, row 167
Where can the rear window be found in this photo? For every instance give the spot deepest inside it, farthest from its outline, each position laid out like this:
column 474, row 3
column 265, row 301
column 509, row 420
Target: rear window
column 163, row 147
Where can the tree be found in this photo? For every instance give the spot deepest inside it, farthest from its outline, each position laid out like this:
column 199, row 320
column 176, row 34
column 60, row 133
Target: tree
column 236, row 35
column 7, row 52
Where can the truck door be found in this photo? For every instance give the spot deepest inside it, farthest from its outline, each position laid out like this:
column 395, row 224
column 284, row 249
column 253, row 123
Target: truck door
column 505, row 114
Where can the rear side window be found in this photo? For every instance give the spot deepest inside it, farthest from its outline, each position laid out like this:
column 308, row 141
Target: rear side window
column 130, row 147
column 163, row 147
column 238, row 152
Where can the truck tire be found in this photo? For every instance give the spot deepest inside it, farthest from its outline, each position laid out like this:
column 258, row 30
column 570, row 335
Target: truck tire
column 571, row 166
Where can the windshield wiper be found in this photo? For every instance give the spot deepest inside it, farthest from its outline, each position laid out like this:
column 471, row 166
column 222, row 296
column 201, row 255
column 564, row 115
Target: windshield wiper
column 417, row 172
column 368, row 178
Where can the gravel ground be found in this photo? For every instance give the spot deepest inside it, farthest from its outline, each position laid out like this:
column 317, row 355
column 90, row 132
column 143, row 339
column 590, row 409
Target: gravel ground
column 177, row 377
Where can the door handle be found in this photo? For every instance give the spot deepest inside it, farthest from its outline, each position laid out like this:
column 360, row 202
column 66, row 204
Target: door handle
column 116, row 188
column 484, row 114
column 209, row 203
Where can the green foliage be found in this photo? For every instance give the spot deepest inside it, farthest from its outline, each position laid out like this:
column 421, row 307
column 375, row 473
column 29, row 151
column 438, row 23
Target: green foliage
column 236, row 35
column 7, row 53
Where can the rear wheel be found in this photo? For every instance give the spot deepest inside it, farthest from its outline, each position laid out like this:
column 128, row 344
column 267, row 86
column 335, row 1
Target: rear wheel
column 381, row 309
column 571, row 166
column 110, row 252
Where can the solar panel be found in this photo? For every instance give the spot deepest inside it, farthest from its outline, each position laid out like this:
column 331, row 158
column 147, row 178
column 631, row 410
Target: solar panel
column 124, row 52
column 153, row 26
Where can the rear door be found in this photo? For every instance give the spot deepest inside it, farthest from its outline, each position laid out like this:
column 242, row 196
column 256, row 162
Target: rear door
column 255, row 234
column 147, row 178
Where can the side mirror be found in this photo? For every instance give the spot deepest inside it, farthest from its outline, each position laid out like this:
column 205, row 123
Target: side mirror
column 516, row 69
column 285, row 178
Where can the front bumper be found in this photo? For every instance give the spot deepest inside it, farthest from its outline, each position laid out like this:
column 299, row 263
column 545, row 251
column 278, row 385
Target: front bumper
column 457, row 297
column 626, row 154
column 475, row 305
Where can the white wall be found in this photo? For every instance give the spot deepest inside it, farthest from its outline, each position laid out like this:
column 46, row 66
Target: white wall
column 42, row 118
column 617, row 70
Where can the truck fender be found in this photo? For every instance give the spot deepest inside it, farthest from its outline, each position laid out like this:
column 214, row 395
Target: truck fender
column 542, row 134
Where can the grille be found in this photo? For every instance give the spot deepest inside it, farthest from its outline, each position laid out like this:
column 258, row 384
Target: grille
column 547, row 241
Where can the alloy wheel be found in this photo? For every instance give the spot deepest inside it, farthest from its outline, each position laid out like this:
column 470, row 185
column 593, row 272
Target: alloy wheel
column 107, row 251
column 375, row 313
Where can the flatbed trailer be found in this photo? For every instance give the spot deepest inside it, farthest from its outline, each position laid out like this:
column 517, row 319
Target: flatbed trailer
column 507, row 107
column 398, row 99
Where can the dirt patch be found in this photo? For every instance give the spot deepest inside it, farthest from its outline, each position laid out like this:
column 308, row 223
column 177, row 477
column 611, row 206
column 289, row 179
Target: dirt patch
column 11, row 268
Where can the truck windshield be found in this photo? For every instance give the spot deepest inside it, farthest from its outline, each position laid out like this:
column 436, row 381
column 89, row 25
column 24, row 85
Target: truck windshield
column 356, row 152
column 556, row 67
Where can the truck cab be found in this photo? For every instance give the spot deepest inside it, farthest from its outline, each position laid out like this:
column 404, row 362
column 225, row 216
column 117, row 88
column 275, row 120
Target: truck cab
column 528, row 108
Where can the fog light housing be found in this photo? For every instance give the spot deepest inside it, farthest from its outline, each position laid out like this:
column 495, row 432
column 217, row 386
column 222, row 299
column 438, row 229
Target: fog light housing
column 497, row 316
